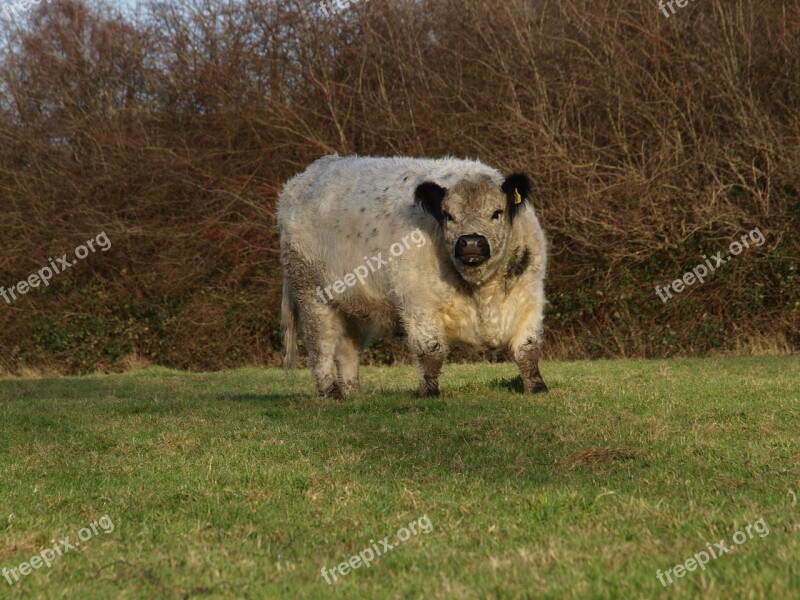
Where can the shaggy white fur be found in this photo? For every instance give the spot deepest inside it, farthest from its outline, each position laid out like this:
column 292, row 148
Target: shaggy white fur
column 343, row 213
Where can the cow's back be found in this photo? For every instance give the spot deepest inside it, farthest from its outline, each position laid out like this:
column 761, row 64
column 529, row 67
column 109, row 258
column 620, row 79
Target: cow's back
column 343, row 209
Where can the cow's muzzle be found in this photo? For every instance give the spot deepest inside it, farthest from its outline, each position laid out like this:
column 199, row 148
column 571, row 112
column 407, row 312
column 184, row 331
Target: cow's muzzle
column 472, row 250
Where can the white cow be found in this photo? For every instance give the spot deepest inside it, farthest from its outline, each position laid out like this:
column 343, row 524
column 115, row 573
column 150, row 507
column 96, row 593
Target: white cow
column 447, row 250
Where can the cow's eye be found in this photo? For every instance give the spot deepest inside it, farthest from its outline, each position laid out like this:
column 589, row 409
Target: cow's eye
column 497, row 214
column 448, row 217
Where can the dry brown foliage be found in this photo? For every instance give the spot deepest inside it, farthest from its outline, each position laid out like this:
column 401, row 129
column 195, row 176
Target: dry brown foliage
column 652, row 141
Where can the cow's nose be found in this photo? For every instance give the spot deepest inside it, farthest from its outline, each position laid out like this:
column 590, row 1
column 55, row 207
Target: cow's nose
column 472, row 249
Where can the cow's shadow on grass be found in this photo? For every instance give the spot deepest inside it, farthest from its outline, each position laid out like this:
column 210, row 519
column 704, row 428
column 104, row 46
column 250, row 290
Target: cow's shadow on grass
column 260, row 398
column 278, row 405
column 509, row 385
column 476, row 429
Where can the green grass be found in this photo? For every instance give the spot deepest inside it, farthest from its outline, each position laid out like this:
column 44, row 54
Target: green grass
column 241, row 484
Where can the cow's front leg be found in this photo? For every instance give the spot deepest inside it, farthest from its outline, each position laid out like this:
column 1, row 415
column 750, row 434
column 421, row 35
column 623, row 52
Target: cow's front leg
column 430, row 353
column 526, row 355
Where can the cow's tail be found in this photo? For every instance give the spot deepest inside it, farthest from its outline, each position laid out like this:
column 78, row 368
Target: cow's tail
column 289, row 322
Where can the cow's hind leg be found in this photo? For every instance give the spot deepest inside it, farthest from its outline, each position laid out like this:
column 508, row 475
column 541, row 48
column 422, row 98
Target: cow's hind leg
column 348, row 356
column 321, row 324
column 322, row 332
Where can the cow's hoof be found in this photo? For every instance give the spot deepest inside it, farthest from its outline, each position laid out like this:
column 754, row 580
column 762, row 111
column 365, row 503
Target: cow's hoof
column 426, row 391
column 332, row 391
column 350, row 388
column 537, row 387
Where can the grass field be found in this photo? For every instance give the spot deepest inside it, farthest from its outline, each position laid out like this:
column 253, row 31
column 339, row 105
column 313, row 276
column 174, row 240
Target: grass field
column 240, row 484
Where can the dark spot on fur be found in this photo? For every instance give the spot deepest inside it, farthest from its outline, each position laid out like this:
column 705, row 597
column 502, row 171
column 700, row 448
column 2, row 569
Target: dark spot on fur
column 362, row 209
column 519, row 262
column 374, row 231
column 387, row 189
column 405, row 178
column 359, row 234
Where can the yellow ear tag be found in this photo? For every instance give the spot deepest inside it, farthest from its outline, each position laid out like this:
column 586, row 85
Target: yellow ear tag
column 517, row 197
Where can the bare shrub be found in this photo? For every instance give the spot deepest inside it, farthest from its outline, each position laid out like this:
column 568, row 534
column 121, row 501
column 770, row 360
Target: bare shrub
column 651, row 142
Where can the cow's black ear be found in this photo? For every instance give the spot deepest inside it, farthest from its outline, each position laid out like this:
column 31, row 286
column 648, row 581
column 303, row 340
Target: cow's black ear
column 517, row 188
column 429, row 197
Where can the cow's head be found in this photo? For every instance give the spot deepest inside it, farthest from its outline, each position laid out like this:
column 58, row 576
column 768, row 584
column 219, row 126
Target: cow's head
column 476, row 220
